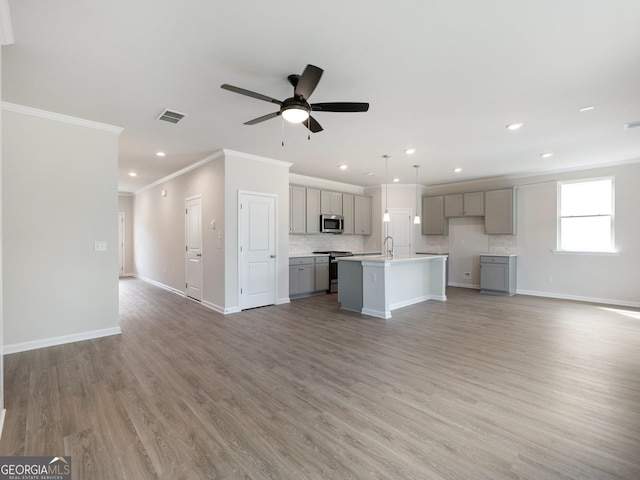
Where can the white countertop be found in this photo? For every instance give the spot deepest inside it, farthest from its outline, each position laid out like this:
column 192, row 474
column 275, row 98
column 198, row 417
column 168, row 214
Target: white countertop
column 498, row 254
column 310, row 254
column 388, row 258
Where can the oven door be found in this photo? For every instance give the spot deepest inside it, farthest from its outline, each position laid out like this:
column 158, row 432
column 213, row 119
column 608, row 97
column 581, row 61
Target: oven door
column 333, row 275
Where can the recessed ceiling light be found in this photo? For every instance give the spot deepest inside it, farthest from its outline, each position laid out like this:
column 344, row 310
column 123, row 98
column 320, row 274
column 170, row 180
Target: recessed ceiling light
column 343, row 167
column 396, row 179
column 547, row 155
column 133, row 174
column 587, row 108
column 410, row 151
column 160, row 154
column 457, row 170
column 515, row 126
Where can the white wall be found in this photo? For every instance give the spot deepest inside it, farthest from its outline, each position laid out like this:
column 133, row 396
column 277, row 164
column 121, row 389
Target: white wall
column 249, row 173
column 59, row 196
column 602, row 278
column 159, row 232
column 125, row 205
column 399, row 196
column 159, row 224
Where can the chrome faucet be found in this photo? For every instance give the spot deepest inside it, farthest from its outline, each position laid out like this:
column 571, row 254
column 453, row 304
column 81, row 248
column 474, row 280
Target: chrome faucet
column 384, row 244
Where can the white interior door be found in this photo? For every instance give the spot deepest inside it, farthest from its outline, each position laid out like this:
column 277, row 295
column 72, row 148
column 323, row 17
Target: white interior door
column 193, row 242
column 121, row 243
column 400, row 230
column 257, row 222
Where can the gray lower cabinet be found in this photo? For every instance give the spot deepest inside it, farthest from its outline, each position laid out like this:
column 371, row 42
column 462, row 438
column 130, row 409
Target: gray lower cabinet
column 498, row 274
column 308, row 275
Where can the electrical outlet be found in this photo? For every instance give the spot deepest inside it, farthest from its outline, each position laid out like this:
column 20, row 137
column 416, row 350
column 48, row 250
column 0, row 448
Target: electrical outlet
column 549, row 279
column 467, row 274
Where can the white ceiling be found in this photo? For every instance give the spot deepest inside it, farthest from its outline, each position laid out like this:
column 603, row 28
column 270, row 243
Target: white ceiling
column 444, row 77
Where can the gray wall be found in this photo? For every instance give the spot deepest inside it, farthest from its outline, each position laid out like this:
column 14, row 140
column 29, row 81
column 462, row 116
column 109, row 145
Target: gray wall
column 159, row 230
column 59, row 197
column 603, row 278
column 159, row 225
column 125, row 205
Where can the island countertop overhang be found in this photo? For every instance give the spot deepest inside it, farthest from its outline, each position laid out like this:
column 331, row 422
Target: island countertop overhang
column 392, row 259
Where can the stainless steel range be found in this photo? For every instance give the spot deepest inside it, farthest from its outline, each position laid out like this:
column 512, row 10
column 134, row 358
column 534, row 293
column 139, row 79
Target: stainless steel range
column 333, row 267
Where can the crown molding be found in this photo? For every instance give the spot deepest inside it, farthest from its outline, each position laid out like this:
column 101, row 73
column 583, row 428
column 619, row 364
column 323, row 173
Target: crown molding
column 58, row 117
column 6, row 28
column 219, row 154
column 187, row 169
column 256, row 158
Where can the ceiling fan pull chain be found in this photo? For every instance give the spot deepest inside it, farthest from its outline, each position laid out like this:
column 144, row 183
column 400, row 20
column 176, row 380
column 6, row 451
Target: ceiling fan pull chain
column 282, row 124
column 309, row 127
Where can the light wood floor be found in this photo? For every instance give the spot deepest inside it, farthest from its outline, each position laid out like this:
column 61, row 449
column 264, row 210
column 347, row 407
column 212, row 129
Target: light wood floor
column 479, row 387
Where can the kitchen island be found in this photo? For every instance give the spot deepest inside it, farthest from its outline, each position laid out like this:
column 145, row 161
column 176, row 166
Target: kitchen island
column 376, row 285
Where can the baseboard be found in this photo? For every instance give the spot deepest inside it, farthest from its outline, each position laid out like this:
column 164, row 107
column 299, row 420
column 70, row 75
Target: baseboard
column 2, row 415
column 282, row 301
column 219, row 309
column 580, row 298
column 463, row 285
column 160, row 285
column 209, row 305
column 50, row 342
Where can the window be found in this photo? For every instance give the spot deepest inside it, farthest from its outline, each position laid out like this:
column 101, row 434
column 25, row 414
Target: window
column 585, row 220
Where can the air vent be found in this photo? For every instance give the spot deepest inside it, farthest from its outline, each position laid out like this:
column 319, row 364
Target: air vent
column 171, row 116
column 630, row 125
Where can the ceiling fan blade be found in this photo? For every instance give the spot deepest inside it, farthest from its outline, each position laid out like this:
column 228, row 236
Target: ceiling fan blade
column 308, row 81
column 312, row 124
column 268, row 116
column 249, row 93
column 340, row 107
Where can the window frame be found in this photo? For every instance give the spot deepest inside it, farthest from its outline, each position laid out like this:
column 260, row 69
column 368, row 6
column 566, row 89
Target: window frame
column 612, row 250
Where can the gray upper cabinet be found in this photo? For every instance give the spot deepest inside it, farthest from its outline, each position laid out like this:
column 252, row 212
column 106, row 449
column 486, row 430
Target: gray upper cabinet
column 313, row 210
column 330, row 203
column 362, row 215
column 473, row 204
column 297, row 209
column 453, row 205
column 464, row 205
column 348, row 213
column 433, row 219
column 500, row 212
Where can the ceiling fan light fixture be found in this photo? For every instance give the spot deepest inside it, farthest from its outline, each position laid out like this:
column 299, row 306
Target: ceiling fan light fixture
column 295, row 114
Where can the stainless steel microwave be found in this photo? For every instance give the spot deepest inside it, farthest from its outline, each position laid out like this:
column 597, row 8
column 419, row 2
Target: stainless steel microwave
column 331, row 223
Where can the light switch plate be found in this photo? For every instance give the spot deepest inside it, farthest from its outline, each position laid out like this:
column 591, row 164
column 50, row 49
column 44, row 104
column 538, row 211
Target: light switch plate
column 100, row 246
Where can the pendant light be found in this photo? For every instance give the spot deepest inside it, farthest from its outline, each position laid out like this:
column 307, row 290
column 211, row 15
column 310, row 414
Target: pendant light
column 416, row 219
column 386, row 217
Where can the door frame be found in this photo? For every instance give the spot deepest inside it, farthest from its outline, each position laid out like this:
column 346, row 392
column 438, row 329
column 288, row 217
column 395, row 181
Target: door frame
column 403, row 211
column 186, row 253
column 121, row 237
column 275, row 243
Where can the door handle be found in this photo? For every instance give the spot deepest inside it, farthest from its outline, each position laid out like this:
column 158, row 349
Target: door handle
column 198, row 254
column 272, row 256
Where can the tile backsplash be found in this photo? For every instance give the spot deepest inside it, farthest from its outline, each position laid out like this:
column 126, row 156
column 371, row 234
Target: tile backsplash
column 302, row 244
column 503, row 244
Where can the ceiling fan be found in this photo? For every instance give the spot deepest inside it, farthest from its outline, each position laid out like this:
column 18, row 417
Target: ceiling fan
column 297, row 109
